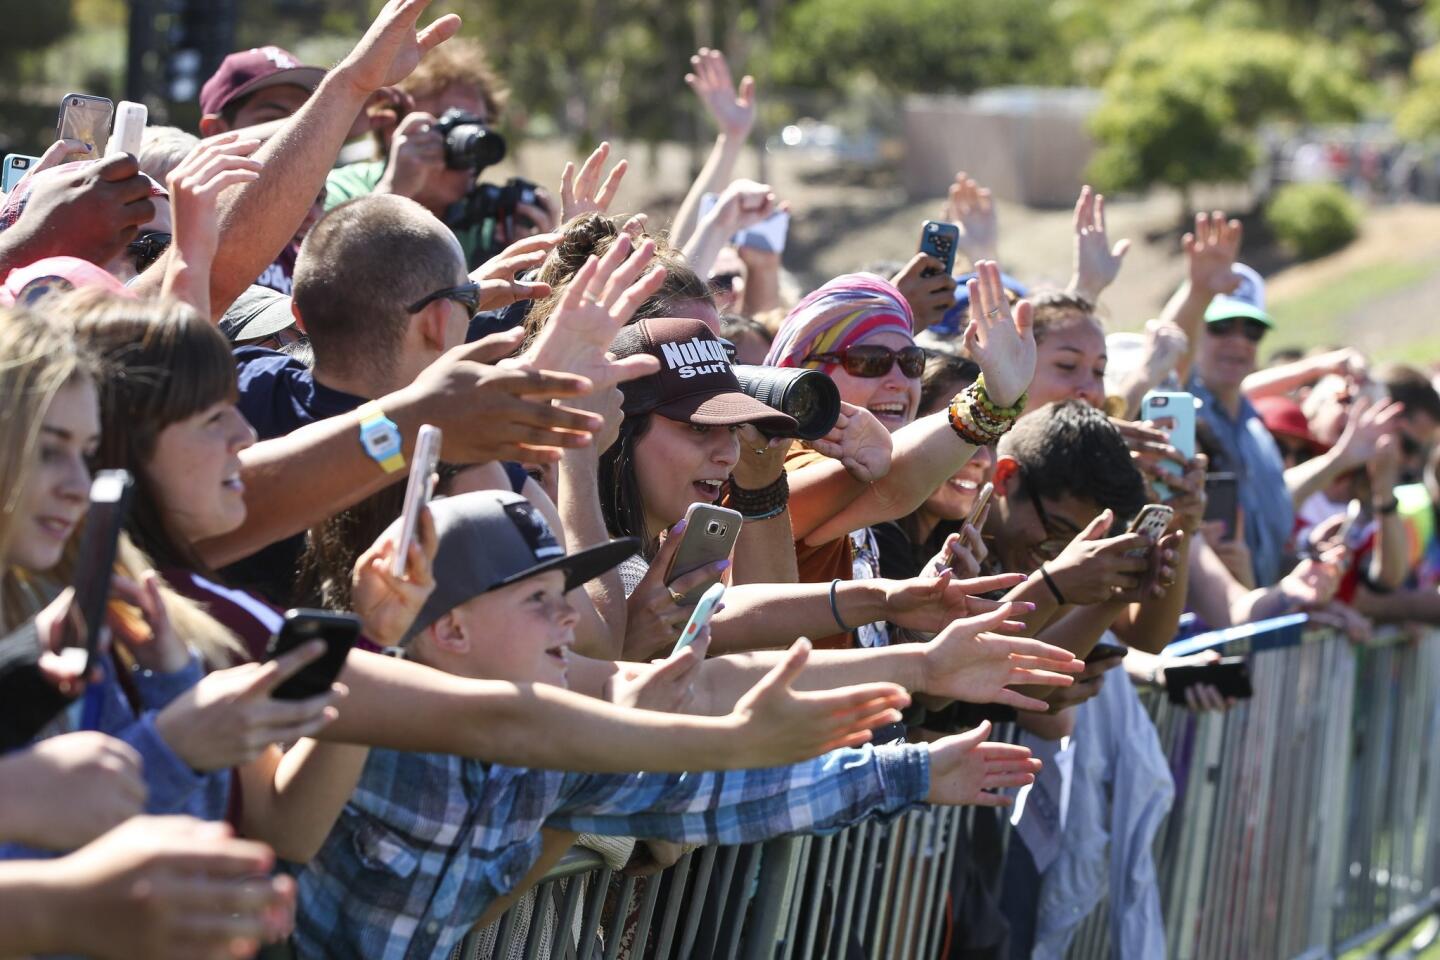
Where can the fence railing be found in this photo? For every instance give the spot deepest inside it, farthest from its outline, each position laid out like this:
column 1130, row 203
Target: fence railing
column 1306, row 822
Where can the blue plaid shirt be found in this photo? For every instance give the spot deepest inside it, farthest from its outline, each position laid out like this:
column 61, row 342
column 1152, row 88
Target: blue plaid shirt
column 429, row 841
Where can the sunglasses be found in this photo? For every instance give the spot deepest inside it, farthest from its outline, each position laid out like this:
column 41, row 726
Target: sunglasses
column 147, row 248
column 467, row 295
column 875, row 361
column 1253, row 329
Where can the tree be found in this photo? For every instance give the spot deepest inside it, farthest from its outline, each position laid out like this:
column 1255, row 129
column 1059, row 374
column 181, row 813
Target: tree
column 924, row 46
column 1182, row 104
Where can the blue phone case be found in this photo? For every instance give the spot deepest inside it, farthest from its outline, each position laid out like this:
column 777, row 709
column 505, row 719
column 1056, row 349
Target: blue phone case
column 699, row 617
column 1179, row 408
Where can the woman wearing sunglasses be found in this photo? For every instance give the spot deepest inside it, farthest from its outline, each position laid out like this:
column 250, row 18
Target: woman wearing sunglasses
column 881, row 462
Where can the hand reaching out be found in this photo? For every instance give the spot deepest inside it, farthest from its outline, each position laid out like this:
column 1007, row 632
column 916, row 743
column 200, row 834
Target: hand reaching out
column 732, row 109
column 859, row 441
column 65, row 791
column 967, row 769
column 389, row 604
column 930, row 604
column 195, row 187
column 971, row 208
column 583, row 193
column 1096, row 262
column 1002, row 343
column 600, row 299
column 782, row 725
column 392, row 48
column 1212, row 251
column 1368, row 425
column 666, row 685
column 499, row 286
column 743, row 204
column 968, row 661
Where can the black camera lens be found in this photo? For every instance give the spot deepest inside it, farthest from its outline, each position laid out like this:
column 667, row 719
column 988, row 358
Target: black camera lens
column 809, row 396
column 469, row 144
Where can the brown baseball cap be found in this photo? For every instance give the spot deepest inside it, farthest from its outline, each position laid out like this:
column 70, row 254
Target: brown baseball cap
column 254, row 69
column 696, row 383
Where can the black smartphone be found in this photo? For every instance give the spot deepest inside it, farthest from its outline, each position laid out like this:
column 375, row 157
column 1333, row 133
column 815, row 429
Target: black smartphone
column 1222, row 502
column 1105, row 651
column 1230, row 676
column 338, row 630
column 109, row 501
column 940, row 240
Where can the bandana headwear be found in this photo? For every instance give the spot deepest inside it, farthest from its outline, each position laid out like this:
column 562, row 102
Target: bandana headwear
column 838, row 315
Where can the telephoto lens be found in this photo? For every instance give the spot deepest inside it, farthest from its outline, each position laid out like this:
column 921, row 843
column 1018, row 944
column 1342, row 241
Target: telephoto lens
column 469, row 144
column 809, row 396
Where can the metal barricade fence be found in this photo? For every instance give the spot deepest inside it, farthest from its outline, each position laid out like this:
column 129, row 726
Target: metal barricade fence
column 1306, row 822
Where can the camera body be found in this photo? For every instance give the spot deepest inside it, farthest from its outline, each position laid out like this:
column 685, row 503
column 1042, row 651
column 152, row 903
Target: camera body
column 469, row 143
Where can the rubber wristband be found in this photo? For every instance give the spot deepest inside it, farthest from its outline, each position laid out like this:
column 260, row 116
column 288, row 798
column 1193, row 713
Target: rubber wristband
column 835, row 607
column 1388, row 509
column 1050, row 582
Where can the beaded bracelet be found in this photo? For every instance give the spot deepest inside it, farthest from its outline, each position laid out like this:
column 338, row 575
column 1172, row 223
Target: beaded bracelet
column 977, row 419
column 763, row 504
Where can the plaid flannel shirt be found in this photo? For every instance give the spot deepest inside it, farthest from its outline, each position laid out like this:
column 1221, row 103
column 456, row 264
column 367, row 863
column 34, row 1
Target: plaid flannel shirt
column 429, row 841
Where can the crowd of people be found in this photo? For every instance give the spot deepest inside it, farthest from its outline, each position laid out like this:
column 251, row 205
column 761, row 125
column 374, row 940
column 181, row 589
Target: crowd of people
column 255, row 332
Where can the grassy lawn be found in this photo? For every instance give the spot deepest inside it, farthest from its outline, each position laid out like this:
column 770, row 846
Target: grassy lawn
column 1316, row 316
column 1430, row 953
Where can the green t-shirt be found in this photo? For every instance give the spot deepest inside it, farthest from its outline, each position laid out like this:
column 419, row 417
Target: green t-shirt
column 359, row 179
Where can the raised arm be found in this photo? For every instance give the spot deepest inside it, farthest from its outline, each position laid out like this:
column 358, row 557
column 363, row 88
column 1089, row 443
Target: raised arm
column 733, row 110
column 1211, row 252
column 259, row 220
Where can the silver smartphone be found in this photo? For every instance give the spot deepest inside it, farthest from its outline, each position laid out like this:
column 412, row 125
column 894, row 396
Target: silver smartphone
column 87, row 119
column 418, row 490
column 710, row 534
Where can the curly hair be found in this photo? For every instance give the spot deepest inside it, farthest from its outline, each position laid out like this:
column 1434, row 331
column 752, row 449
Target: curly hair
column 462, row 61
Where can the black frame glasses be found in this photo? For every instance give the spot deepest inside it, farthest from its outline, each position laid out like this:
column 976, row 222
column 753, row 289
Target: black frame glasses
column 147, row 248
column 1253, row 329
column 872, row 360
column 1055, row 540
column 466, row 294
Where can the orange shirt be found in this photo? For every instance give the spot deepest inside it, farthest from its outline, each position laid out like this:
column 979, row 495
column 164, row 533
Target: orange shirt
column 823, row 563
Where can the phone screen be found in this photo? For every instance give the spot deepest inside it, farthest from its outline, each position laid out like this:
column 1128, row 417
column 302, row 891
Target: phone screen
column 86, row 119
column 109, row 498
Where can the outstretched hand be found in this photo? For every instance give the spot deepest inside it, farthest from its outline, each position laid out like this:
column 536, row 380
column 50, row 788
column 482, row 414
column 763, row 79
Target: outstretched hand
column 392, row 48
column 1000, row 340
column 969, row 661
column 600, row 299
column 859, row 441
column 782, row 725
column 583, row 193
column 732, row 108
column 967, row 769
column 1212, row 251
column 1096, row 262
column 971, row 208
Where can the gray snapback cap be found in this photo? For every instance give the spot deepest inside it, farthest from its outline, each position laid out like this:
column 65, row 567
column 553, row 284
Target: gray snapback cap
column 492, row 538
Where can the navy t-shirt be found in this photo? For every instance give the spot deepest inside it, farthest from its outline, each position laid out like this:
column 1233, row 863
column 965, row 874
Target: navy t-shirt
column 279, row 395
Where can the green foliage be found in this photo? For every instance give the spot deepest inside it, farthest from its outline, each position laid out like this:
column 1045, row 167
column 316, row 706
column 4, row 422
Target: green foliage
column 1313, row 218
column 1182, row 103
column 927, row 46
column 1419, row 115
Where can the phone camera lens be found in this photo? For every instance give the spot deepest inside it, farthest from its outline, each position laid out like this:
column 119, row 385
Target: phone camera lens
column 715, row 528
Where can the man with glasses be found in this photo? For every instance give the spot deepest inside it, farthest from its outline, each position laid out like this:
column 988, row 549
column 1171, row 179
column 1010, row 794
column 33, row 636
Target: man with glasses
column 381, row 292
column 1227, row 352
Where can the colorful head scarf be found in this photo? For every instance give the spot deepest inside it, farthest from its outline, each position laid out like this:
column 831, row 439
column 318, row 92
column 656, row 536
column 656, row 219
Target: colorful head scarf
column 838, row 315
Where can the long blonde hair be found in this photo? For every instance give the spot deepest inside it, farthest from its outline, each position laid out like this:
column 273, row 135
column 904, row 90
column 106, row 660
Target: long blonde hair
column 39, row 357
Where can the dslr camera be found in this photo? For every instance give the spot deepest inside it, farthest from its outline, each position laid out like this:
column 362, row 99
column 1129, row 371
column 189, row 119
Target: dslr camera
column 469, row 143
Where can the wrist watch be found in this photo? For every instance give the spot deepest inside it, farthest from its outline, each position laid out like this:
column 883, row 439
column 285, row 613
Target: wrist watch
column 381, row 438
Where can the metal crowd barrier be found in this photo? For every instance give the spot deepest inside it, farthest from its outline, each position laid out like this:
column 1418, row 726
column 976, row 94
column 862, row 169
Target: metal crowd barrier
column 1306, row 823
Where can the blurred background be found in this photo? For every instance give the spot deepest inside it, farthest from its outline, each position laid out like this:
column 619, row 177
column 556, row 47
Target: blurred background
column 1315, row 121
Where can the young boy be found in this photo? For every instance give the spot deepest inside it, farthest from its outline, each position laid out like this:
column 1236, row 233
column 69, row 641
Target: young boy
column 428, row 841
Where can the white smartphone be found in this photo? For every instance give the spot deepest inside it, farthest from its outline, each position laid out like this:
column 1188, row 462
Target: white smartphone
column 1152, row 521
column 87, row 119
column 129, row 131
column 418, row 491
column 699, row 617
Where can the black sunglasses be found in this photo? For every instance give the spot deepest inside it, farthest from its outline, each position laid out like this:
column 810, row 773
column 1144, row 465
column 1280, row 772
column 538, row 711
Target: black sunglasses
column 1253, row 329
column 870, row 360
column 467, row 295
column 147, row 248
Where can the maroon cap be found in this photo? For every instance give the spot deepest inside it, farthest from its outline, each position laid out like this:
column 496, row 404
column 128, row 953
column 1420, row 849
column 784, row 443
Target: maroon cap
column 1283, row 417
column 251, row 70
column 695, row 383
